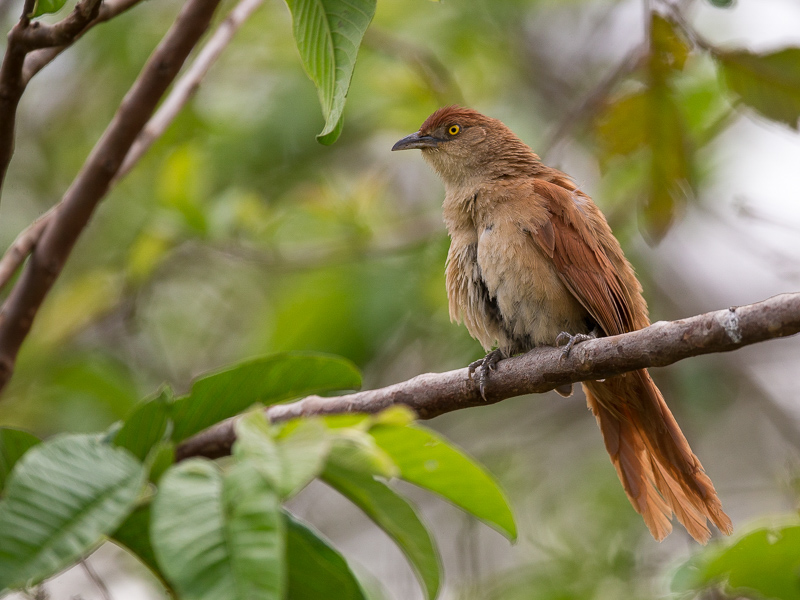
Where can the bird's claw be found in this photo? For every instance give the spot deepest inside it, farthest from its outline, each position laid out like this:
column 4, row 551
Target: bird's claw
column 568, row 341
column 483, row 367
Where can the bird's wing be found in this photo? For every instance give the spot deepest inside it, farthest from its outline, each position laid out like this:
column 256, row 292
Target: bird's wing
column 580, row 260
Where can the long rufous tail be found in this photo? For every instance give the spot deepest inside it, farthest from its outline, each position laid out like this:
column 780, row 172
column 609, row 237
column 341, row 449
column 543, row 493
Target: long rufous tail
column 658, row 470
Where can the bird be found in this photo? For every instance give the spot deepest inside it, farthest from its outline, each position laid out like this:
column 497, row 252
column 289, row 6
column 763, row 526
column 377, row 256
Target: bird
column 533, row 262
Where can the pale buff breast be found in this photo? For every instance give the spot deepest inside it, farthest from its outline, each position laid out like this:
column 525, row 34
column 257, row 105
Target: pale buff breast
column 534, row 304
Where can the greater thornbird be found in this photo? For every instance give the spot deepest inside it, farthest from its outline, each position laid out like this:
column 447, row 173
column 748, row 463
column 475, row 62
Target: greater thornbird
column 532, row 262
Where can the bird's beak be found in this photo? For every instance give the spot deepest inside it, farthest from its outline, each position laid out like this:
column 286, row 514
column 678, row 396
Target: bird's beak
column 415, row 140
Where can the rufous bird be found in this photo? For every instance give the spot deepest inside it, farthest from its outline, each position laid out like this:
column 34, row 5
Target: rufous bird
column 533, row 262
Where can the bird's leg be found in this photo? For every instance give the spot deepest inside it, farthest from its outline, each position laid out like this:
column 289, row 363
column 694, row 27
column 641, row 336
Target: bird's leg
column 568, row 340
column 483, row 366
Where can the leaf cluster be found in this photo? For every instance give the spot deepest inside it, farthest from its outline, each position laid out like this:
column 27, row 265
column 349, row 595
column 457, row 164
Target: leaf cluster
column 218, row 529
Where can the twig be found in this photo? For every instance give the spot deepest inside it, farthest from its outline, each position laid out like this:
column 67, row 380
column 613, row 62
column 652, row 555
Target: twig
column 595, row 99
column 23, row 245
column 92, row 182
column 187, row 85
column 542, row 369
column 11, row 88
column 23, row 38
column 96, row 579
column 181, row 93
column 435, row 74
column 38, row 59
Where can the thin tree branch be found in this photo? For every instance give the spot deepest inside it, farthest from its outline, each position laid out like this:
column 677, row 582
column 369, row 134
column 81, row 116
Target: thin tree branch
column 542, row 369
column 593, row 101
column 96, row 579
column 41, row 57
column 40, row 35
column 11, row 87
column 431, row 70
column 24, row 37
column 187, row 85
column 93, row 181
column 181, row 93
column 23, row 245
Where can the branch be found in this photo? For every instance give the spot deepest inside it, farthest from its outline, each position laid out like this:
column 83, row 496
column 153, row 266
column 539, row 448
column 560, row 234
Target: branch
column 94, row 179
column 24, row 37
column 542, row 369
column 41, row 57
column 23, row 245
column 187, row 85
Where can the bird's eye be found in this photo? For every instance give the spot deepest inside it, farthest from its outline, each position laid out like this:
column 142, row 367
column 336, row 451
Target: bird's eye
column 453, row 129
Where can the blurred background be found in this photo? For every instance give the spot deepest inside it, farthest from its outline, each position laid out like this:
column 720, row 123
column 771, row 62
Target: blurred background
column 240, row 235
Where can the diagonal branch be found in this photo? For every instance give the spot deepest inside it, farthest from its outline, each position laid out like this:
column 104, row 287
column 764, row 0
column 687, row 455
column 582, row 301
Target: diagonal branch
column 94, row 179
column 187, row 85
column 542, row 369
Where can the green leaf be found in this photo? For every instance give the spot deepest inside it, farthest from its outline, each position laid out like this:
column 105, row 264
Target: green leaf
column 395, row 516
column 14, row 443
column 219, row 537
column 356, row 451
column 62, row 497
column 722, row 3
column 428, row 461
column 671, row 167
column 768, row 83
column 134, row 534
column 254, row 441
column 315, row 568
column 44, row 7
column 291, row 461
column 668, row 48
column 303, row 454
column 266, row 380
column 146, row 426
column 161, row 458
column 766, row 560
column 622, row 126
column 652, row 121
column 328, row 35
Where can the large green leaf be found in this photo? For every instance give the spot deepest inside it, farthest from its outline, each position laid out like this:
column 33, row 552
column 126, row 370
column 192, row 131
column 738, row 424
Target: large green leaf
column 427, row 460
column 395, row 516
column 266, row 380
column 769, row 83
column 315, row 569
column 766, row 560
column 303, row 454
column 219, row 537
column 328, row 35
column 254, row 442
column 14, row 443
column 61, row 498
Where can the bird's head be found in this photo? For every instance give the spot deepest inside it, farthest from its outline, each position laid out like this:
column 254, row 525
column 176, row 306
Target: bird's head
column 464, row 146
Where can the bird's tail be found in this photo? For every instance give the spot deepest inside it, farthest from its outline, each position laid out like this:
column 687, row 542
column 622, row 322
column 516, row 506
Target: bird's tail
column 658, row 470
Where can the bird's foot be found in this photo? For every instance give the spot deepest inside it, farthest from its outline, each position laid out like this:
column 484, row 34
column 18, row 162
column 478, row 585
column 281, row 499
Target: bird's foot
column 568, row 340
column 483, row 367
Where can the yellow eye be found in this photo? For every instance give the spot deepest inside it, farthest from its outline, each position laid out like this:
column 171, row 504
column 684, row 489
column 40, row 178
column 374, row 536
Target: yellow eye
column 453, row 129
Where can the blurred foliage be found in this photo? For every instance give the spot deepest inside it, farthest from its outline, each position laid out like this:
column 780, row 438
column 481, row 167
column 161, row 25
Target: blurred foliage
column 217, row 530
column 764, row 563
column 240, row 235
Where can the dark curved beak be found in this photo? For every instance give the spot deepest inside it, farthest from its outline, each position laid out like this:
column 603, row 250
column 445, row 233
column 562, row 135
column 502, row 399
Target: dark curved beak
column 415, row 140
